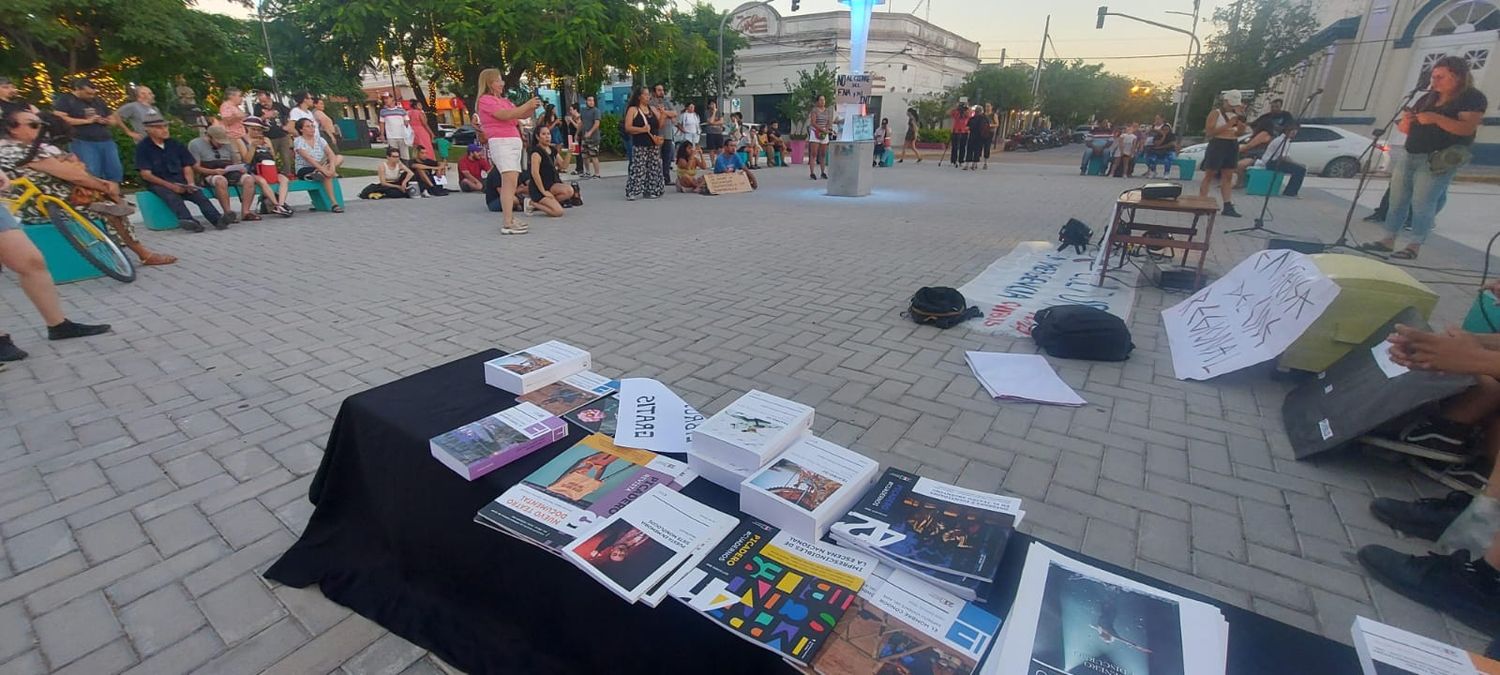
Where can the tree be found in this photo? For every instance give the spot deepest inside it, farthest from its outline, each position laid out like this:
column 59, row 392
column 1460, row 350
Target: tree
column 1257, row 40
column 690, row 63
column 932, row 109
column 1073, row 91
column 801, row 97
column 1007, row 88
column 1137, row 101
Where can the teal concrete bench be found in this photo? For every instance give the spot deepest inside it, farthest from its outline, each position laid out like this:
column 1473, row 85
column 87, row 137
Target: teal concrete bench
column 1259, row 181
column 63, row 261
column 158, row 216
column 1186, row 168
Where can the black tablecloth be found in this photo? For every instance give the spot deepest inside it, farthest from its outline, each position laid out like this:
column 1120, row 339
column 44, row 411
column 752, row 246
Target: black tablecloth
column 393, row 538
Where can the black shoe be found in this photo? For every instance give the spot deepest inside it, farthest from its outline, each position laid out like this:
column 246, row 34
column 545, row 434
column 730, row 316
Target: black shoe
column 190, row 225
column 822, row 175
column 67, row 329
column 1439, row 434
column 811, row 177
column 1447, row 583
column 1229, row 210
column 1423, row 518
column 1376, row 217
column 221, row 224
column 9, row 351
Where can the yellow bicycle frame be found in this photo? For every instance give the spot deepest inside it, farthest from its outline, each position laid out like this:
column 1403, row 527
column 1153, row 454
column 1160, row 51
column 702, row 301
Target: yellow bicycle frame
column 30, row 192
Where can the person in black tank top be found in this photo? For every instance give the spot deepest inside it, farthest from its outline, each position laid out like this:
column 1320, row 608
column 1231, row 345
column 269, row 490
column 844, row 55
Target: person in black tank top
column 644, row 177
column 548, row 192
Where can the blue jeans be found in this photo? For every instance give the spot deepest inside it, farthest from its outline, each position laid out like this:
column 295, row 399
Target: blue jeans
column 101, row 157
column 1414, row 186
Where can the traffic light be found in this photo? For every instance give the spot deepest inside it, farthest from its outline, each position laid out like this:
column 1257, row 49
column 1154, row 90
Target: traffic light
column 1103, row 9
column 796, row 5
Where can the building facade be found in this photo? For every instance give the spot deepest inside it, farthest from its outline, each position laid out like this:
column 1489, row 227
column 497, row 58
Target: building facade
column 906, row 57
column 1367, row 62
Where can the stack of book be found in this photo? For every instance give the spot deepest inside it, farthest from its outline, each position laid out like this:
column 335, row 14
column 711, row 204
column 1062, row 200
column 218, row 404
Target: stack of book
column 1070, row 618
column 744, row 436
column 952, row 536
column 480, row 447
column 1387, row 650
column 808, row 486
column 535, row 367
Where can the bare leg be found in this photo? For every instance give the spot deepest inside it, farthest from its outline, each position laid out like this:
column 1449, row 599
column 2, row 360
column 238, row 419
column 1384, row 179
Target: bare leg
column 508, row 195
column 247, row 194
column 1226, row 186
column 1475, row 404
column 221, row 191
column 548, row 205
column 18, row 254
column 562, row 191
column 1208, row 177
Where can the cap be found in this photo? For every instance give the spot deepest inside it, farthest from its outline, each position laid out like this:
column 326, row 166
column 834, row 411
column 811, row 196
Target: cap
column 83, row 83
column 475, row 147
column 217, row 133
column 1233, row 97
column 154, row 120
column 254, row 121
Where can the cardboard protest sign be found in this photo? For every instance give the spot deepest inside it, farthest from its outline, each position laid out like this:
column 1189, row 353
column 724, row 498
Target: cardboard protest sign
column 852, row 89
column 727, row 183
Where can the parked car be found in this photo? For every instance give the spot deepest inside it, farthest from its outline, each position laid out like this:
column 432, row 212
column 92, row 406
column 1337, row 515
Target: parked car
column 464, row 135
column 1327, row 150
column 1081, row 132
column 446, row 130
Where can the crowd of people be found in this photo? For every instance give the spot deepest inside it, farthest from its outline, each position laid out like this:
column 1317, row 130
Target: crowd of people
column 1119, row 148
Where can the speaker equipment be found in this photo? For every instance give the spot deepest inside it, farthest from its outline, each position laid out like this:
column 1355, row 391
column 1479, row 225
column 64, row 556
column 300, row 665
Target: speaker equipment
column 1161, row 191
column 1174, row 277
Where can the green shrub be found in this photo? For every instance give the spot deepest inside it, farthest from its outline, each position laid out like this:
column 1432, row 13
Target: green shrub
column 611, row 139
column 934, row 135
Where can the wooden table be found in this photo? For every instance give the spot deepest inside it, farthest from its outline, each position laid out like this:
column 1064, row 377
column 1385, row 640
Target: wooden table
column 1126, row 229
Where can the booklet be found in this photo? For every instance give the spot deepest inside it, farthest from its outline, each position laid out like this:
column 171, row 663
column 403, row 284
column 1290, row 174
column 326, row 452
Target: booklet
column 1021, row 377
column 920, row 521
column 776, row 590
column 1387, row 650
column 482, row 446
column 571, row 392
column 597, row 417
column 632, row 551
column 580, row 486
column 902, row 624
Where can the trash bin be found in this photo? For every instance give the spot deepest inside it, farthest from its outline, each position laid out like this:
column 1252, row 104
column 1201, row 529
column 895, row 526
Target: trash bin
column 442, row 145
column 1186, row 168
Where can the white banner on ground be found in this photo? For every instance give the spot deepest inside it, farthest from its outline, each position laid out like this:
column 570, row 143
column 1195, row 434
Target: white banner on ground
column 653, row 417
column 1036, row 276
column 1252, row 314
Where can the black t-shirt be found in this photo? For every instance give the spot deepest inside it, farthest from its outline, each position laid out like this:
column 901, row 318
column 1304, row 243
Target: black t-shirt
column 647, row 120
column 273, row 127
column 1271, row 122
column 1431, row 137
column 166, row 161
column 75, row 107
column 492, row 186
column 1165, row 140
column 979, row 126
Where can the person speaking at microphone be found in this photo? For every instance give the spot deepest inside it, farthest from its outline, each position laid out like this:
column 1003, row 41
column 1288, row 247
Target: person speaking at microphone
column 1439, row 129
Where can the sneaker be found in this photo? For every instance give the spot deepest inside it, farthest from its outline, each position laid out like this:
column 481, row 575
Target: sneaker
column 629, row 198
column 1423, row 518
column 67, row 329
column 653, row 196
column 822, row 175
column 811, row 177
column 1376, row 217
column 221, row 224
column 1439, row 434
column 9, row 351
column 229, row 218
column 515, row 229
column 190, row 225
column 1229, row 210
column 1448, row 583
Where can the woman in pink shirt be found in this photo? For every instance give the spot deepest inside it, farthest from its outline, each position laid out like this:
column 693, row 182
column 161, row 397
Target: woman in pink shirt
column 232, row 113
column 500, row 122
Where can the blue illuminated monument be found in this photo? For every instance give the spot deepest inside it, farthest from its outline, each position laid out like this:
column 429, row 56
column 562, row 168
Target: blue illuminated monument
column 849, row 167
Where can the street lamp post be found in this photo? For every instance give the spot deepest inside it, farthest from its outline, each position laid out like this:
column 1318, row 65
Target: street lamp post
column 1193, row 34
column 1188, row 76
column 270, row 68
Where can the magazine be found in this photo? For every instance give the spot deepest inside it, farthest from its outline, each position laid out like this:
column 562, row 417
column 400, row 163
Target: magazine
column 571, row 392
column 902, row 624
column 597, row 417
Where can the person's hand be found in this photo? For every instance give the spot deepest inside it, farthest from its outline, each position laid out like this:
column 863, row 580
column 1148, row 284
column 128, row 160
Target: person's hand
column 1453, row 351
column 112, row 189
column 1427, row 117
column 136, row 137
column 181, row 188
column 534, row 103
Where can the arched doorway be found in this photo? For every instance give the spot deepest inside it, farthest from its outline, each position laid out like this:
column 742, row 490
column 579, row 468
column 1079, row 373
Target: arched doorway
column 1466, row 28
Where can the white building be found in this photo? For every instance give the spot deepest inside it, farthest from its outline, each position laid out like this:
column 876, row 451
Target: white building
column 906, row 56
column 1366, row 62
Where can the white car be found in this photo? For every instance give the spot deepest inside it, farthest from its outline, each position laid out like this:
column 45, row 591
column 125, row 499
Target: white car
column 1327, row 150
column 446, row 130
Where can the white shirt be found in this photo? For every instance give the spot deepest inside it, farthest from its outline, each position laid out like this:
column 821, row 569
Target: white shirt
column 1127, row 143
column 691, row 126
column 299, row 114
column 393, row 121
column 1277, row 149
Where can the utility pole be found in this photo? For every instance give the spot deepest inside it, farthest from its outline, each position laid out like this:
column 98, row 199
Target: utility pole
column 1036, row 82
column 1002, row 57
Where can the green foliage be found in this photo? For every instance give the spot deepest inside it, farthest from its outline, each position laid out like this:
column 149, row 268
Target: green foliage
column 1007, row 88
column 689, row 63
column 801, row 97
column 611, row 139
column 934, row 135
column 932, row 109
column 1257, row 40
column 180, row 131
column 1073, row 91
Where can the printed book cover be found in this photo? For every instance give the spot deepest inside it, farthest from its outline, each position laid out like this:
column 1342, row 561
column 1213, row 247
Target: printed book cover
column 902, row 624
column 812, row 471
column 754, row 421
column 597, row 417
column 1090, row 627
column 567, row 394
column 775, row 590
column 932, row 524
column 484, row 445
column 635, row 549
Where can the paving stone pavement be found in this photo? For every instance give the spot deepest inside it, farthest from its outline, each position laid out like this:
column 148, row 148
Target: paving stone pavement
column 148, row 477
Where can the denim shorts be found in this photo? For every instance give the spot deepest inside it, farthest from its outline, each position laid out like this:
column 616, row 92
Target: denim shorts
column 8, row 222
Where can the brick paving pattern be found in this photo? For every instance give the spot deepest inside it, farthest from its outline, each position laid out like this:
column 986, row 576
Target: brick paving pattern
column 148, row 477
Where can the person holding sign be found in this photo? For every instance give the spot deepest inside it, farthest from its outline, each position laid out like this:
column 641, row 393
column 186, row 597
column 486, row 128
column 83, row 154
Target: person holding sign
column 819, row 133
column 729, row 161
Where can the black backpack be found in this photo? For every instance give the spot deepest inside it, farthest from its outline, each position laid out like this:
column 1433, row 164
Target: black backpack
column 940, row 306
column 1082, row 332
column 1076, row 234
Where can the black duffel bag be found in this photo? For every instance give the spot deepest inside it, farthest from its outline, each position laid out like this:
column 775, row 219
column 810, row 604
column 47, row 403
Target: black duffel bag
column 940, row 306
column 1082, row 332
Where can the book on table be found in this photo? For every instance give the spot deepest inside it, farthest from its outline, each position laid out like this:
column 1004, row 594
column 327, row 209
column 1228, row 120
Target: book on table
column 748, row 432
column 632, row 551
column 730, row 478
column 571, row 392
column 1388, row 650
column 598, row 417
column 808, row 486
column 535, row 367
column 899, row 623
column 484, row 445
column 580, row 486
column 1070, row 618
column 778, row 591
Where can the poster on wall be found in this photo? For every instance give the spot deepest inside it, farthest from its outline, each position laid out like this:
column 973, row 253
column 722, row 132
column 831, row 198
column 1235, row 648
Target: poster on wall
column 1035, row 276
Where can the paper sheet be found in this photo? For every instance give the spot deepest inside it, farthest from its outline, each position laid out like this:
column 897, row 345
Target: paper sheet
column 1382, row 353
column 653, row 417
column 1022, row 377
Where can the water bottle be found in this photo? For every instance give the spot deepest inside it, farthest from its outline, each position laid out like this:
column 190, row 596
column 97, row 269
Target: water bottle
column 1473, row 529
column 526, row 205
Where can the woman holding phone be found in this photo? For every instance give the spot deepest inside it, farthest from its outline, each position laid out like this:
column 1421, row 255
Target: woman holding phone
column 644, row 175
column 500, row 122
column 1223, row 128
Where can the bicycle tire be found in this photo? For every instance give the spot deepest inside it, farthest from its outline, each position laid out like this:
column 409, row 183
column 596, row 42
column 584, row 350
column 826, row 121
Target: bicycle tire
column 89, row 240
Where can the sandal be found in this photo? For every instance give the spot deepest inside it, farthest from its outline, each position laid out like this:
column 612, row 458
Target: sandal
column 1375, row 246
column 1405, row 254
column 337, row 209
column 158, row 259
column 250, row 217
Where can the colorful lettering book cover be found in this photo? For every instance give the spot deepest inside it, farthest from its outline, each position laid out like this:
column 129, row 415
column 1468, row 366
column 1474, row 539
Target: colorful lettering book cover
column 909, row 627
column 1089, row 627
column 777, row 591
column 598, row 417
column 569, row 393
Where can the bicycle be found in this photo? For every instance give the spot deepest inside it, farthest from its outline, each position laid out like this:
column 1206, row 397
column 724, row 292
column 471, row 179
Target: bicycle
column 86, row 237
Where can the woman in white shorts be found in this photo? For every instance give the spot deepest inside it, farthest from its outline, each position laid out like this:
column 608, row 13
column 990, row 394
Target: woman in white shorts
column 500, row 120
column 819, row 133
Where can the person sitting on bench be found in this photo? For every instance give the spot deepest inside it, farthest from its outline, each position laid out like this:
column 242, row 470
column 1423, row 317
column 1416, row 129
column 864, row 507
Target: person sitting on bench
column 220, row 165
column 259, row 152
column 316, row 160
column 167, row 168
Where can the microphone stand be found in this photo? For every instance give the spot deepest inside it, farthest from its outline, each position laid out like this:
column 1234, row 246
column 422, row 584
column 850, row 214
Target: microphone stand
column 1364, row 169
column 1271, row 163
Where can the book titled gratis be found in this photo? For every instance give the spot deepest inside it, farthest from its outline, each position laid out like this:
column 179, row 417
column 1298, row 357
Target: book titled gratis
column 480, row 447
column 571, row 392
column 808, row 486
column 747, row 433
column 535, row 367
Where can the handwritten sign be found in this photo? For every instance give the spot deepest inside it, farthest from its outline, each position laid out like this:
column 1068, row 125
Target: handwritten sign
column 727, row 183
column 864, row 127
column 653, row 417
column 1252, row 314
column 852, row 88
column 1035, row 276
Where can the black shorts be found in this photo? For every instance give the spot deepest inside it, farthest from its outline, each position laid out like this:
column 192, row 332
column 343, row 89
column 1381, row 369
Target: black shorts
column 304, row 172
column 1222, row 153
column 715, row 141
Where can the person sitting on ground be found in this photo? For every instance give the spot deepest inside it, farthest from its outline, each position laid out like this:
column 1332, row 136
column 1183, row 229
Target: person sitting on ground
column 259, row 154
column 167, row 168
column 220, row 165
column 59, row 174
column 690, row 162
column 19, row 255
column 472, row 168
column 492, row 183
column 1163, row 151
column 432, row 175
column 391, row 178
column 315, row 161
column 729, row 161
column 548, row 193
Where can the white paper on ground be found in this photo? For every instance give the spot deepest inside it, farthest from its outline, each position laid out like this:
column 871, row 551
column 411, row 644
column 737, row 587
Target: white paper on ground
column 1022, row 377
column 653, row 417
column 1382, row 353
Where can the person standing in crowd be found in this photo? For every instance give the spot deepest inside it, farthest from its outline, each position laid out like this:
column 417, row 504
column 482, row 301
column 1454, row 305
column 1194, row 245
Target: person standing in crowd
column 574, row 125
column 421, row 133
column 91, row 119
column 19, row 255
column 274, row 115
column 134, row 113
column 548, row 192
column 689, row 125
column 1439, row 129
column 589, row 119
column 166, row 167
column 9, row 102
column 302, row 103
column 959, row 139
column 259, row 155
column 1223, row 127
column 979, row 140
column 994, row 127
column 1278, row 157
column 912, row 125
column 643, row 177
column 219, row 165
column 393, row 124
column 472, row 168
column 232, row 113
column 316, row 161
column 1162, row 150
column 326, row 128
column 730, row 161
column 819, row 134
column 666, row 120
column 689, row 162
column 713, row 129
column 500, row 120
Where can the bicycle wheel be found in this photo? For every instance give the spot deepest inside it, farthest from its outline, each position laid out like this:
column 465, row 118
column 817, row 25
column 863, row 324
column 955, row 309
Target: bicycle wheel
column 90, row 241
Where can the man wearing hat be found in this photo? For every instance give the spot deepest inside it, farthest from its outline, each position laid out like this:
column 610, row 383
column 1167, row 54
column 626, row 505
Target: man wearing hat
column 471, row 169
column 167, row 168
column 220, row 165
column 91, row 119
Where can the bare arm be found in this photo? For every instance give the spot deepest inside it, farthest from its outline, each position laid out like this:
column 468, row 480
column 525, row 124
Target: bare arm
column 536, row 171
column 519, row 112
column 72, row 172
